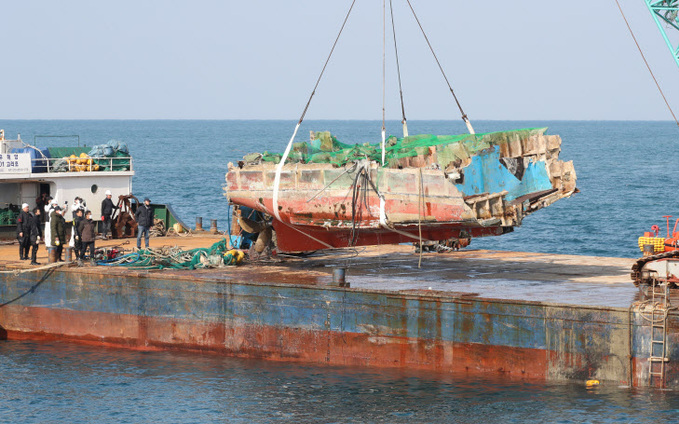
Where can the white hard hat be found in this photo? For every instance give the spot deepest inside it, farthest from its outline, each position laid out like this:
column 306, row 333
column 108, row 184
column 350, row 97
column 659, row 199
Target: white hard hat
column 54, row 202
column 108, row 192
column 24, row 206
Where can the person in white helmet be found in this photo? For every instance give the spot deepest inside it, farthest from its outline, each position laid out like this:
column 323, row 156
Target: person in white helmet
column 107, row 208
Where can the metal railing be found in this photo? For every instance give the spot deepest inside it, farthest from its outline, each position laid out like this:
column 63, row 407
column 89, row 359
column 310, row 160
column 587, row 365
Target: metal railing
column 58, row 165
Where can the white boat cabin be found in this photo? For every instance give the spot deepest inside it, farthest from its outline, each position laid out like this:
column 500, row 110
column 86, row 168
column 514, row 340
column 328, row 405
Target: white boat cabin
column 26, row 172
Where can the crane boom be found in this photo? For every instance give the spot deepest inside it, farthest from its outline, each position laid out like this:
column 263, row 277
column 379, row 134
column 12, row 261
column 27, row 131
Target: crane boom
column 666, row 15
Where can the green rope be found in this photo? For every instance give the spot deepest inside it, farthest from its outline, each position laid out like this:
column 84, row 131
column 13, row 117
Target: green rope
column 179, row 259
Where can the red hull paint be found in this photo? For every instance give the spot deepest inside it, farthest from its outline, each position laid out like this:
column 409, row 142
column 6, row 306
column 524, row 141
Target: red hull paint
column 303, row 238
column 272, row 343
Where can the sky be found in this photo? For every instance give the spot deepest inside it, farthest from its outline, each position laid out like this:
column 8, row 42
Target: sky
column 259, row 59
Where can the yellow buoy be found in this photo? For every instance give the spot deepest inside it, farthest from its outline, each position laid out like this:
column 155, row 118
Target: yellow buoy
column 233, row 257
column 592, row 383
column 177, row 227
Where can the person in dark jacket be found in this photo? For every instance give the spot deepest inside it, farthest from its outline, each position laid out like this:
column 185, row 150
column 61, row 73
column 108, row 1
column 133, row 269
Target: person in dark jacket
column 24, row 232
column 77, row 246
column 36, row 234
column 40, row 202
column 107, row 208
column 86, row 231
column 144, row 218
column 58, row 231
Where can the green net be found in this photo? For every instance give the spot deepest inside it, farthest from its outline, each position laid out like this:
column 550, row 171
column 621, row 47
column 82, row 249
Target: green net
column 62, row 152
column 8, row 216
column 172, row 258
column 108, row 160
column 325, row 148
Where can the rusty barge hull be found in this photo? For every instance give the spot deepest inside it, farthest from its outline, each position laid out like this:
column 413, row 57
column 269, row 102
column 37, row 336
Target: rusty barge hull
column 290, row 313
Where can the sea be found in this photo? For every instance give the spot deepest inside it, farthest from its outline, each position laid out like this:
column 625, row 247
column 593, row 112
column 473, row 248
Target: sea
column 626, row 180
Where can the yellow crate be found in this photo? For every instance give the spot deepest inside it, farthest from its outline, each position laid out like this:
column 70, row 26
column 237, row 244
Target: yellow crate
column 657, row 242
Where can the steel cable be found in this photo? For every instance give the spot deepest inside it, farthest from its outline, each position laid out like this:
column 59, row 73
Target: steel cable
column 398, row 66
column 459, row 106
column 318, row 81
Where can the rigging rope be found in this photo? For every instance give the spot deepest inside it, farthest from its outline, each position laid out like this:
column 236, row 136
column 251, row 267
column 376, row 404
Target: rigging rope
column 464, row 115
column 384, row 77
column 327, row 61
column 279, row 168
column 398, row 72
column 646, row 62
column 420, row 207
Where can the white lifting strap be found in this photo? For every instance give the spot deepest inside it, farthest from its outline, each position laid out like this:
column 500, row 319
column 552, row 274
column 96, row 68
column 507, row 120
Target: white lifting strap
column 279, row 168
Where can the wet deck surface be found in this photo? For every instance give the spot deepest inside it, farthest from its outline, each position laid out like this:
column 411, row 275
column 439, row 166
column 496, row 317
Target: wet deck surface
column 514, row 276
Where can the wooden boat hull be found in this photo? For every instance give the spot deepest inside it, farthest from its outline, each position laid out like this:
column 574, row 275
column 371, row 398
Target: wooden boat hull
column 321, row 205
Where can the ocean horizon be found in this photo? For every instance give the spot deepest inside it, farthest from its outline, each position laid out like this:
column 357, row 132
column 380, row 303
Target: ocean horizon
column 621, row 167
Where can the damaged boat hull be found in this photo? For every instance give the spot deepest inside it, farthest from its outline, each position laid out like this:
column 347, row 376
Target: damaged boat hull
column 472, row 186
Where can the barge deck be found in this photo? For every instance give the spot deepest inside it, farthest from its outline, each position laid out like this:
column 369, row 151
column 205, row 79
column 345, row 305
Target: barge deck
column 522, row 315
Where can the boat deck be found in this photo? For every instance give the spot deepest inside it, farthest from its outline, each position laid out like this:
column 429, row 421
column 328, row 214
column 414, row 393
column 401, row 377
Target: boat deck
column 509, row 276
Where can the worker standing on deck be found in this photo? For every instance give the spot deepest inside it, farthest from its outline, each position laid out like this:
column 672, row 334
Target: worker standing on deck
column 86, row 231
column 36, row 234
column 77, row 245
column 58, row 231
column 144, row 218
column 107, row 208
column 41, row 202
column 24, row 232
column 49, row 208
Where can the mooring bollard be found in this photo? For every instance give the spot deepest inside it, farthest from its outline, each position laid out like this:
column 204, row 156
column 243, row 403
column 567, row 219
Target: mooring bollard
column 339, row 277
column 213, row 226
column 52, row 255
column 199, row 223
column 68, row 254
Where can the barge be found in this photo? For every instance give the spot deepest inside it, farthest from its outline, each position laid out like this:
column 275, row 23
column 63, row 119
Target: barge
column 529, row 316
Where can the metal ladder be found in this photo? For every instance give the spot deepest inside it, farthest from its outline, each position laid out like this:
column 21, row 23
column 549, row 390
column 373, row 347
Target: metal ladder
column 658, row 358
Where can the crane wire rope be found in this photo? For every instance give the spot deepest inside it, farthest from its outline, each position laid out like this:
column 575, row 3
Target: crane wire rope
column 459, row 106
column 318, row 81
column 646, row 62
column 384, row 78
column 279, row 168
column 398, row 72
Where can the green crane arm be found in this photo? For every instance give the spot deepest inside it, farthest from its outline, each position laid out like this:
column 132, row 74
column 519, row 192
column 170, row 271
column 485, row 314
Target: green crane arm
column 666, row 15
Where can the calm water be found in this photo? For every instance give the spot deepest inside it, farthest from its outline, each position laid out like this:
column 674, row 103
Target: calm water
column 625, row 173
column 59, row 382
